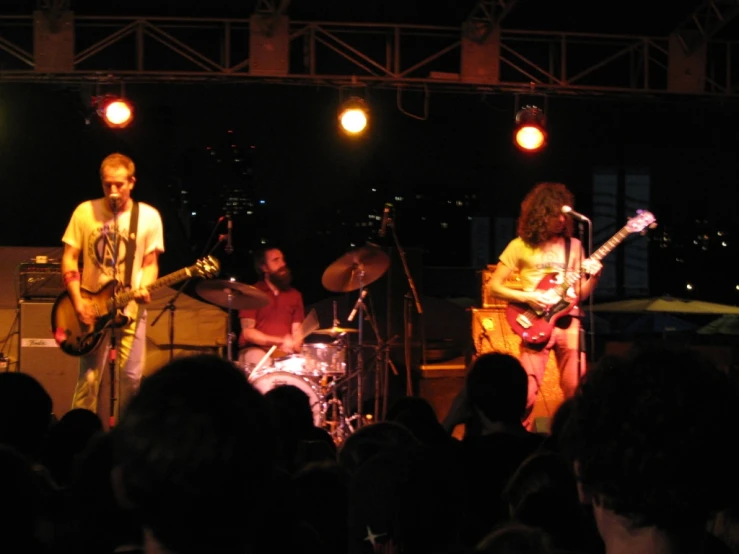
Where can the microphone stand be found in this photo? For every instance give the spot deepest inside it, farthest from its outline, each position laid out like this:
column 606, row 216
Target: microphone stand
column 170, row 305
column 113, row 351
column 407, row 316
column 581, row 332
column 590, row 298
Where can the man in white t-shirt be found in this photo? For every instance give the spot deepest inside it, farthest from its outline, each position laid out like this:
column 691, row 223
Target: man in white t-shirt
column 98, row 238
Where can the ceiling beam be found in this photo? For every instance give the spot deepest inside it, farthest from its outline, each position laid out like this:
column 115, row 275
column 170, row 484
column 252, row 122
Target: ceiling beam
column 189, row 50
column 703, row 24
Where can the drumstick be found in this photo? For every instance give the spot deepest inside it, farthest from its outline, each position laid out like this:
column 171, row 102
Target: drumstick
column 310, row 324
column 263, row 360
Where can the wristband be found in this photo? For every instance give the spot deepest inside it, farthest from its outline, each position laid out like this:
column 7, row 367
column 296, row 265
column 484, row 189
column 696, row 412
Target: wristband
column 70, row 276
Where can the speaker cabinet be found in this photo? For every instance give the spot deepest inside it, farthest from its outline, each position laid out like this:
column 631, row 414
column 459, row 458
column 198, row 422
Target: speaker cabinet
column 40, row 356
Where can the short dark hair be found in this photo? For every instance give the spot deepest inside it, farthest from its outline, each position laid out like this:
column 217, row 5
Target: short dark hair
column 497, row 385
column 195, row 461
column 650, row 434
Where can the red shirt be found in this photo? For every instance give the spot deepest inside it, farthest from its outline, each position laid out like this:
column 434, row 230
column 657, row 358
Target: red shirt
column 276, row 318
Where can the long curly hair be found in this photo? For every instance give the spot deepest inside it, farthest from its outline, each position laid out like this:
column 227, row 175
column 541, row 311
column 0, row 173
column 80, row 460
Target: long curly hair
column 545, row 200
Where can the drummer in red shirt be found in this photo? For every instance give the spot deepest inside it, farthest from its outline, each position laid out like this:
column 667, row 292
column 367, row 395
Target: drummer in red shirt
column 278, row 323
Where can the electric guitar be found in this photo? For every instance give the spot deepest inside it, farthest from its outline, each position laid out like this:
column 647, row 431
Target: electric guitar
column 77, row 339
column 535, row 326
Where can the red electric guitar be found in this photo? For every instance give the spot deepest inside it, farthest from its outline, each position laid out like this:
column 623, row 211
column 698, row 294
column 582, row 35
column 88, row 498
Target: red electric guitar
column 535, row 326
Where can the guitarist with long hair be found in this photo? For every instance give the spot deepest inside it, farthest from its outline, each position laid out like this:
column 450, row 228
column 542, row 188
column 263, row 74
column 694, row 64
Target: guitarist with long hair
column 101, row 237
column 539, row 252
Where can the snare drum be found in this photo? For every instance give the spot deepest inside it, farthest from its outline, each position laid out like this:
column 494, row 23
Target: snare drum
column 264, row 382
column 294, row 363
column 324, row 359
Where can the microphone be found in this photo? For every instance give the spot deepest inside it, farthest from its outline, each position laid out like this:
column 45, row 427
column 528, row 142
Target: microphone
column 229, row 246
column 569, row 211
column 356, row 306
column 114, row 201
column 385, row 217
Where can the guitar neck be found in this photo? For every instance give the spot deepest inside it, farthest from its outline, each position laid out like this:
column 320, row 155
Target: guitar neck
column 574, row 276
column 122, row 299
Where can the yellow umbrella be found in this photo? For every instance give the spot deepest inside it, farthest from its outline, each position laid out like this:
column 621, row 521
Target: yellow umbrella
column 665, row 304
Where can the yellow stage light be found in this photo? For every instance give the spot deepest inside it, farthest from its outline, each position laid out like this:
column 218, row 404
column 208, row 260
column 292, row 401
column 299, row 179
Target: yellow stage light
column 530, row 133
column 354, row 116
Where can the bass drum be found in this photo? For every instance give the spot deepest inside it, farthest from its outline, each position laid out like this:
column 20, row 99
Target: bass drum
column 264, row 382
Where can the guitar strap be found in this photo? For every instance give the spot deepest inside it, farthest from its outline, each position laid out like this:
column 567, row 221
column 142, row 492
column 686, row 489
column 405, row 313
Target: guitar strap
column 131, row 243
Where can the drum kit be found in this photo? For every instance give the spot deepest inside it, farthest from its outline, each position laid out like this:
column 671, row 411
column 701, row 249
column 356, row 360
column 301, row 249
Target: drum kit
column 321, row 370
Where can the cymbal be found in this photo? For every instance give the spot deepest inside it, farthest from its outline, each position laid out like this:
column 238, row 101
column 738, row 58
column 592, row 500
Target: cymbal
column 356, row 268
column 243, row 297
column 334, row 331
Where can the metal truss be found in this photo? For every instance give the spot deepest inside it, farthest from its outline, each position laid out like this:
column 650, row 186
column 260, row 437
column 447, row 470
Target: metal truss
column 272, row 6
column 182, row 50
column 486, row 16
column 54, row 6
column 707, row 20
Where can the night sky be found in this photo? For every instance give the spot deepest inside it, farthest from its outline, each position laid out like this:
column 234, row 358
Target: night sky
column 51, row 149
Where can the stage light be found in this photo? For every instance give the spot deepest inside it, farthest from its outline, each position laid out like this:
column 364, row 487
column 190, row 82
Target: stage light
column 354, row 116
column 116, row 112
column 530, row 133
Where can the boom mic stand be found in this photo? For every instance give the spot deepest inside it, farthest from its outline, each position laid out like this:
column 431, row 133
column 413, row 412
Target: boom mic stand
column 408, row 327
column 581, row 342
column 170, row 305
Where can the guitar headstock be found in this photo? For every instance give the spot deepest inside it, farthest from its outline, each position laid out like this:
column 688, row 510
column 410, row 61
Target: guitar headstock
column 207, row 268
column 641, row 221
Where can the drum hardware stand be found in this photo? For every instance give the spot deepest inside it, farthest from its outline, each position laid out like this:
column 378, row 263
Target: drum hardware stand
column 386, row 381
column 413, row 295
column 339, row 426
column 335, row 322
column 360, row 354
column 332, row 409
column 356, row 270
column 170, row 305
column 380, row 376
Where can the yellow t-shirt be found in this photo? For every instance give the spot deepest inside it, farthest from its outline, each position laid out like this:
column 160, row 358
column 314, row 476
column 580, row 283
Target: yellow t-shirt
column 534, row 262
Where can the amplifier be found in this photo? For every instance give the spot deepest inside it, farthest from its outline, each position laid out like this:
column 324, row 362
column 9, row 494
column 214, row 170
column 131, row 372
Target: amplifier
column 40, row 357
column 38, row 280
column 492, row 333
column 487, row 299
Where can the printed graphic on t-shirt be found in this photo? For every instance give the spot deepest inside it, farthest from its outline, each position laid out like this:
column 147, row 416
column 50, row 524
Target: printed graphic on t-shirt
column 106, row 248
column 550, row 259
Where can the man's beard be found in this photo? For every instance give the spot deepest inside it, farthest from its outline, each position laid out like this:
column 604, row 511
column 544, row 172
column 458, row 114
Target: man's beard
column 281, row 279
